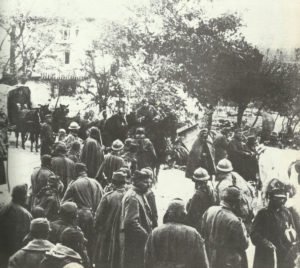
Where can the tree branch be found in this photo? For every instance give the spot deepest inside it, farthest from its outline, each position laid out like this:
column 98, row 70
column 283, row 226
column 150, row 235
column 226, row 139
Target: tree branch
column 3, row 40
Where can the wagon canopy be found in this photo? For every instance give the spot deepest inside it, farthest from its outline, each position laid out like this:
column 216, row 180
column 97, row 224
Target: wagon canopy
column 17, row 95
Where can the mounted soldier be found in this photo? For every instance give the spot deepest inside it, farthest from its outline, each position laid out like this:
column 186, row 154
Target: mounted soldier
column 147, row 113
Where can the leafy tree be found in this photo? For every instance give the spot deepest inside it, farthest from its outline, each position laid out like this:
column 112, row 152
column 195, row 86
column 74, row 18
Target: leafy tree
column 207, row 58
column 284, row 87
column 30, row 37
column 103, row 70
column 240, row 71
column 141, row 73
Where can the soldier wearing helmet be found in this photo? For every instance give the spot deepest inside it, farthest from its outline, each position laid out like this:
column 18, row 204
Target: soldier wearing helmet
column 73, row 135
column 227, row 177
column 203, row 198
column 224, row 232
column 273, row 231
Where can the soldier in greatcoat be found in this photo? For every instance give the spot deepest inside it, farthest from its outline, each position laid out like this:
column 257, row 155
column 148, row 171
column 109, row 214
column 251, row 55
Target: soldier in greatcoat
column 92, row 154
column 62, row 166
column 136, row 222
column 201, row 155
column 273, row 230
column 31, row 255
column 47, row 136
column 14, row 224
column 203, row 198
column 86, row 193
column 107, row 225
column 175, row 244
column 224, row 232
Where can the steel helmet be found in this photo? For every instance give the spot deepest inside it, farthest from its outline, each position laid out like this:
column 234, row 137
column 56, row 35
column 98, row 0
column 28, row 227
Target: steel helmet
column 201, row 174
column 224, row 165
column 74, row 125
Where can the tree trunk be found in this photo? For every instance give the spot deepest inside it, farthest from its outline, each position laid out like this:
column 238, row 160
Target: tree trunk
column 102, row 104
column 241, row 110
column 13, row 45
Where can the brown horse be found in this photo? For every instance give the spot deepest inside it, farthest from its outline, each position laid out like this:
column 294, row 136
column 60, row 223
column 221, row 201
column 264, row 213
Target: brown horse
column 28, row 123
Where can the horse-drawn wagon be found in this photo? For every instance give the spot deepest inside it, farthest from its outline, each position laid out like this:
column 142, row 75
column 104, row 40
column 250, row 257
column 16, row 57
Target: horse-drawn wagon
column 22, row 118
column 18, row 98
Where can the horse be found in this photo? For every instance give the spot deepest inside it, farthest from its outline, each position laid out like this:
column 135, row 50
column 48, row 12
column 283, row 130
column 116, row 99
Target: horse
column 177, row 154
column 277, row 163
column 116, row 127
column 28, row 122
column 294, row 172
column 59, row 118
column 159, row 132
column 44, row 110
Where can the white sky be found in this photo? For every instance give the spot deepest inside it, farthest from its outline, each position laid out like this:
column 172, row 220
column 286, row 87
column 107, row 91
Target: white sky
column 268, row 23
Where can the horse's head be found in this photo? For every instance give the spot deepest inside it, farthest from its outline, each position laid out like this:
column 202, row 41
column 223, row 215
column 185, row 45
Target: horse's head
column 131, row 119
column 43, row 111
column 36, row 114
column 61, row 111
column 64, row 109
column 44, row 107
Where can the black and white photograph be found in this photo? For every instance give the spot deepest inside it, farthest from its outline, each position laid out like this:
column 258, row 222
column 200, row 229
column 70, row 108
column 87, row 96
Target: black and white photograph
column 149, row 134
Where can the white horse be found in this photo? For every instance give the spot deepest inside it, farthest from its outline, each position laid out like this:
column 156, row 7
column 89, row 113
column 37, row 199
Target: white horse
column 275, row 163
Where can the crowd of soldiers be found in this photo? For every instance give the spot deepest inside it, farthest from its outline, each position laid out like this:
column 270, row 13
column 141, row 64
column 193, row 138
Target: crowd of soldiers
column 93, row 207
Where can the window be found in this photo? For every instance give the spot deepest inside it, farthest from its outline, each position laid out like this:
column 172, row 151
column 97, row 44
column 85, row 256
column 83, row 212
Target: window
column 63, row 87
column 67, row 87
column 67, row 57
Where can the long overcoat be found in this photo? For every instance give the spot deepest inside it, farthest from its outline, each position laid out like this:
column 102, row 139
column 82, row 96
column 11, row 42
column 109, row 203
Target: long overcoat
column 14, row 226
column 110, row 164
column 135, row 227
column 63, row 167
column 221, row 145
column 270, row 225
column 146, row 154
column 247, row 204
column 43, row 195
column 202, row 199
column 237, row 155
column 107, row 225
column 39, row 179
column 201, row 155
column 175, row 245
column 225, row 238
column 47, row 139
column 92, row 155
column 87, row 194
column 31, row 255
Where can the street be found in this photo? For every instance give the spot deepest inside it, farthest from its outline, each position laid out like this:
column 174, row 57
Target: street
column 171, row 182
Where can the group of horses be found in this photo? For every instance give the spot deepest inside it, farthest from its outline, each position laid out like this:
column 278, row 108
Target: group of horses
column 118, row 126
